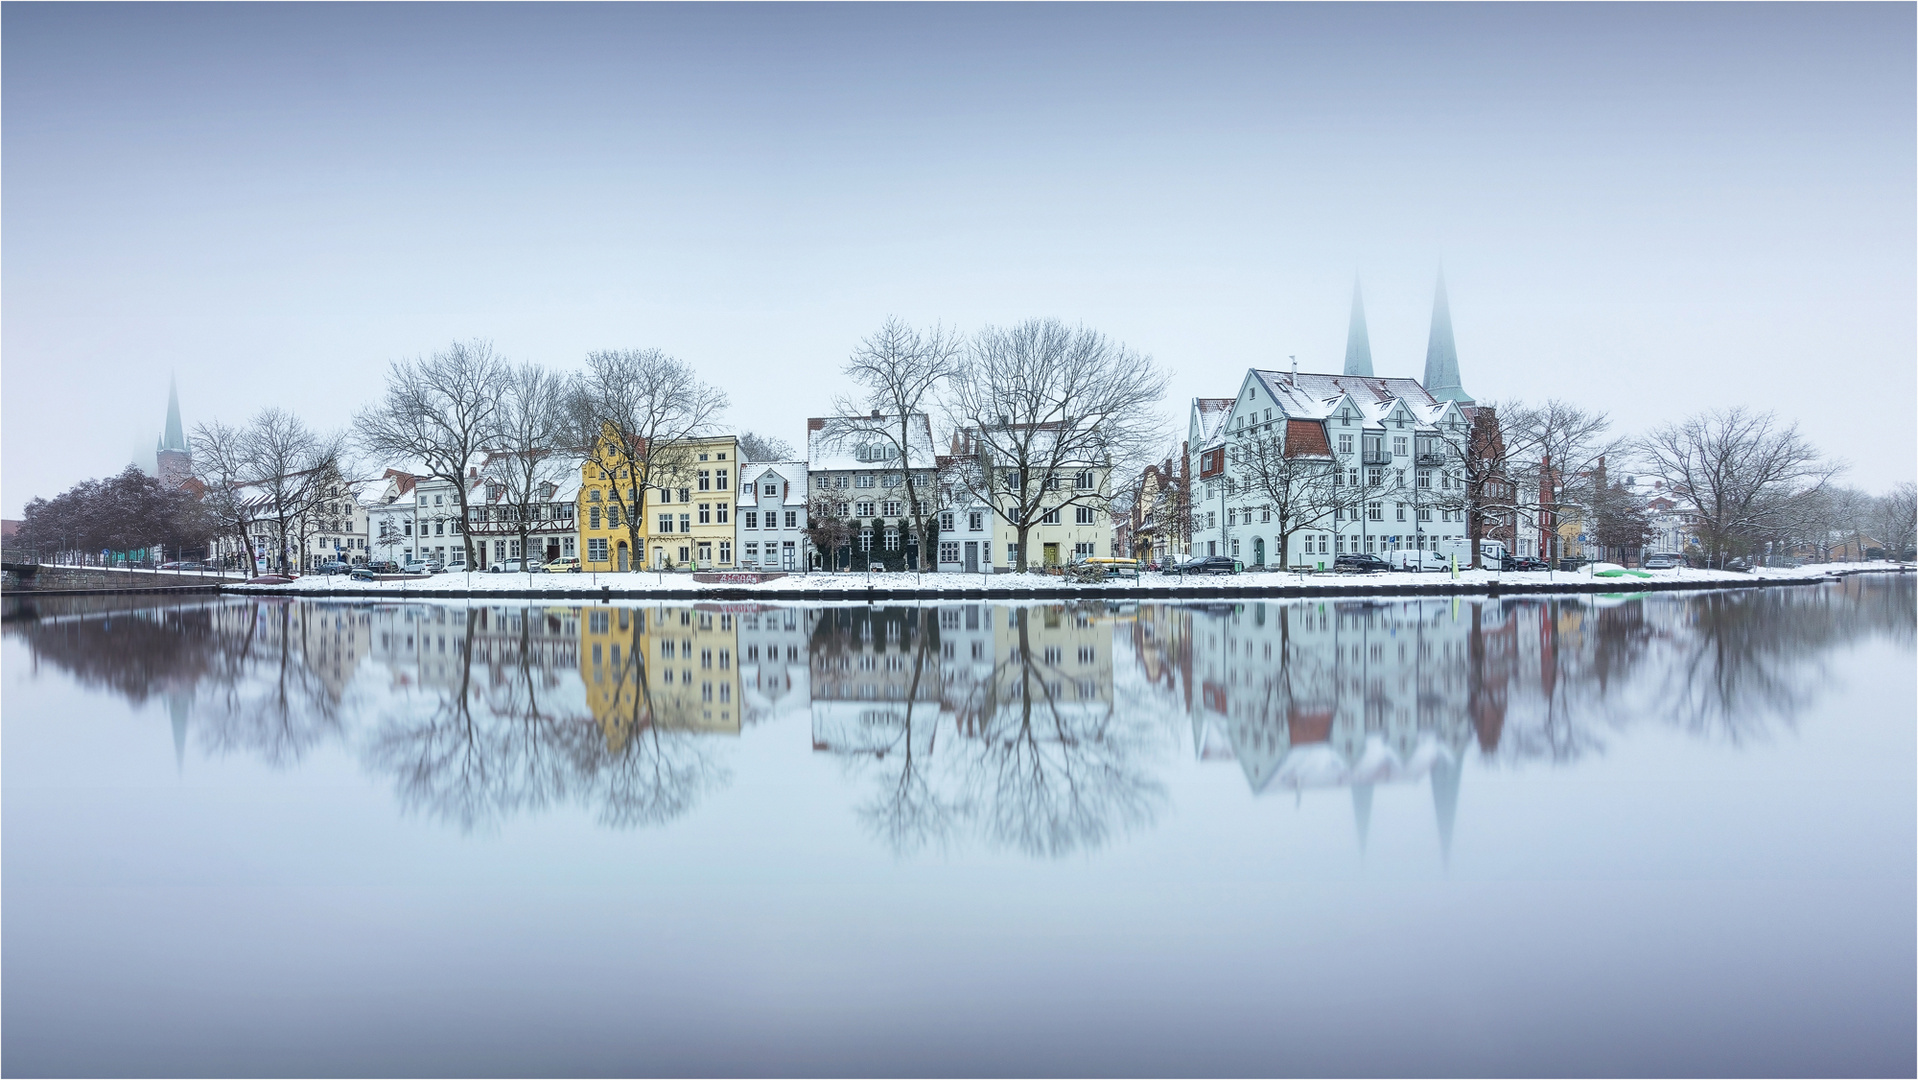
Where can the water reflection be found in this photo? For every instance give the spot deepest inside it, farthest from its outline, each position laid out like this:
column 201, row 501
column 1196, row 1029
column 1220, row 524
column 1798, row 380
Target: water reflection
column 1043, row 729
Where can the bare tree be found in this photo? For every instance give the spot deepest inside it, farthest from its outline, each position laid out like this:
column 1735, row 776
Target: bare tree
column 756, row 447
column 440, row 411
column 1045, row 412
column 632, row 412
column 827, row 527
column 1475, row 478
column 1557, row 449
column 295, row 469
column 1896, row 517
column 221, row 465
column 899, row 369
column 528, row 461
column 1738, row 472
column 1296, row 476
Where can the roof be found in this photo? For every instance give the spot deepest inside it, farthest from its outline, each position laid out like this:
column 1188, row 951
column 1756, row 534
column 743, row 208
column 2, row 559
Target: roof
column 793, row 472
column 1306, row 437
column 1209, row 415
column 835, row 442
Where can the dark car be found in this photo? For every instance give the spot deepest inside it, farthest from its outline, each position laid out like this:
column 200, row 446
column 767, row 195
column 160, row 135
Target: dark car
column 333, row 566
column 1360, row 564
column 1523, row 562
column 1206, row 564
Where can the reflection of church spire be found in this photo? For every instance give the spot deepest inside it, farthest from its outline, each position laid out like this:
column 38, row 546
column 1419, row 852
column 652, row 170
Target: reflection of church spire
column 177, row 703
column 1362, row 811
column 1445, row 778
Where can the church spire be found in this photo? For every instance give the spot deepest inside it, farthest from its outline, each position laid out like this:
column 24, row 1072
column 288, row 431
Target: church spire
column 1441, row 354
column 1358, row 344
column 175, row 437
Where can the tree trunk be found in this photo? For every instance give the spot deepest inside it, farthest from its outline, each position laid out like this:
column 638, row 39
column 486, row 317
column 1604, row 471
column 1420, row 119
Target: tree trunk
column 1024, row 527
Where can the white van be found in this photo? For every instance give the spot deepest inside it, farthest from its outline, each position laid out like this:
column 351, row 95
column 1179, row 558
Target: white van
column 1415, row 559
column 1491, row 553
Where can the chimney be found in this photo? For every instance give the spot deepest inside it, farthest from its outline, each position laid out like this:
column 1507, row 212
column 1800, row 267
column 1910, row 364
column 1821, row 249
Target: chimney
column 875, row 414
column 472, row 472
column 1295, row 370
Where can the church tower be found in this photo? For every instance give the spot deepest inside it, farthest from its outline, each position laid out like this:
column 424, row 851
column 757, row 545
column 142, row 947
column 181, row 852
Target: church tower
column 173, row 463
column 1358, row 344
column 1441, row 355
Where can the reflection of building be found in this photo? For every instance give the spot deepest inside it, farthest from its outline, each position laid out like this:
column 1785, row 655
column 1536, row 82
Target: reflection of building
column 671, row 668
column 1350, row 694
column 774, row 659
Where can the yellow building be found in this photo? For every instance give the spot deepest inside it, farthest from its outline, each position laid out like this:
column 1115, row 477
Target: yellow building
column 685, row 510
column 669, row 668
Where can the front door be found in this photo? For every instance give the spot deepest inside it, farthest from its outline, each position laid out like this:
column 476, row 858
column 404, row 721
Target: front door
column 972, row 556
column 1052, row 554
column 1258, row 551
column 623, row 557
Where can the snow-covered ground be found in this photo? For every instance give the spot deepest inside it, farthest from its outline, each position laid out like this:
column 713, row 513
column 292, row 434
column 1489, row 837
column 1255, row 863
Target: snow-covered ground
column 795, row 586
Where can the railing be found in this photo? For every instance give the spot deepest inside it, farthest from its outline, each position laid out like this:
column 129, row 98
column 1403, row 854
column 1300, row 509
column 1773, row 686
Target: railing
column 1376, row 457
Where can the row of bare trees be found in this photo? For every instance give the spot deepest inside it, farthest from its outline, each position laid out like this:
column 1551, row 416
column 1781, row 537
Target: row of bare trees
column 1042, row 416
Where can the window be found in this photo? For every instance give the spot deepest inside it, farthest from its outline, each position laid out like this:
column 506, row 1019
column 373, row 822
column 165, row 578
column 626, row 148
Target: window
column 1051, row 517
column 1211, row 519
column 685, row 523
column 975, row 521
column 1425, row 513
column 665, row 523
column 594, row 516
column 725, row 551
column 612, row 516
column 865, row 539
column 1425, row 478
column 1345, row 444
column 705, row 480
column 705, row 513
column 946, row 523
column 839, row 482
column 863, row 480
column 750, row 520
column 1401, row 511
column 892, row 538
column 949, row 553
column 771, row 489
column 863, row 509
column 685, row 494
column 1235, row 548
column 1375, row 477
column 1375, row 511
column 1012, row 480
column 1083, row 515
column 722, row 477
column 891, row 508
column 1083, row 481
column 792, row 520
column 1085, row 549
column 1398, row 445
column 749, row 554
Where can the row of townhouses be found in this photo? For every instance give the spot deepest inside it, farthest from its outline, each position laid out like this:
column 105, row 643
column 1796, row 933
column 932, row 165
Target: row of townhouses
column 708, row 509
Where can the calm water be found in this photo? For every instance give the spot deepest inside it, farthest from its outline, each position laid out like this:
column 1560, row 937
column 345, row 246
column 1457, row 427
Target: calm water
column 1659, row 834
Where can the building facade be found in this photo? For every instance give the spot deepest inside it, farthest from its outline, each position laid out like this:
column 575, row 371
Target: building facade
column 685, row 518
column 770, row 516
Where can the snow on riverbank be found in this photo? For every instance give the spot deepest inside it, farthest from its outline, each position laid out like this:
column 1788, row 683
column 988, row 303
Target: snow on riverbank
column 797, row 586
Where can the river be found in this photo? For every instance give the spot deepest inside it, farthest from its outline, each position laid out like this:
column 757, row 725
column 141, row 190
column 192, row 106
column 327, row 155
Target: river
column 1639, row 834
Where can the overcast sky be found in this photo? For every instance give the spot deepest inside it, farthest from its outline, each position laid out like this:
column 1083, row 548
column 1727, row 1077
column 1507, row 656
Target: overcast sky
column 1644, row 209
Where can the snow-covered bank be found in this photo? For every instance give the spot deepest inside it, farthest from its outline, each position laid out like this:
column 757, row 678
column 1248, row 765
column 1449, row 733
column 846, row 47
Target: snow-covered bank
column 841, row 586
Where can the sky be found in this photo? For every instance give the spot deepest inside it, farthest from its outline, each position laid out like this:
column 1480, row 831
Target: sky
column 1645, row 210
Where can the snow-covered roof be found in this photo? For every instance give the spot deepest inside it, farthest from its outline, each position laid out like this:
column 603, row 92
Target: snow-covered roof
column 837, row 442
column 752, row 474
column 1208, row 416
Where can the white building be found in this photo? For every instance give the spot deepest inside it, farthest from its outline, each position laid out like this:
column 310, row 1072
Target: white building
column 864, row 475
column 770, row 516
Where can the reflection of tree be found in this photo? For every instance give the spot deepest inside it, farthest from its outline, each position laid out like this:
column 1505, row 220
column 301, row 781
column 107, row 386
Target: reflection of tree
column 1027, row 765
column 489, row 750
column 270, row 700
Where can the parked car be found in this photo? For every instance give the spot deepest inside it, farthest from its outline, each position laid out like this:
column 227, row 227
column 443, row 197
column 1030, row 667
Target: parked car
column 1415, row 559
column 361, row 573
column 333, row 566
column 1662, row 560
column 1359, row 563
column 1213, row 564
column 383, row 567
column 434, row 566
column 569, row 565
column 415, row 566
column 514, row 566
column 179, row 566
column 1524, row 562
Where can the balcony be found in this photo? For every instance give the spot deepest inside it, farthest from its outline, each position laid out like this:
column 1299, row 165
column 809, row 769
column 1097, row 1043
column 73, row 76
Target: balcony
column 1376, row 457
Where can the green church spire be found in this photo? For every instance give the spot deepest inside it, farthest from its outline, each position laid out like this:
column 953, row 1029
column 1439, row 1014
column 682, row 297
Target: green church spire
column 1358, row 344
column 1441, row 354
column 175, row 437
